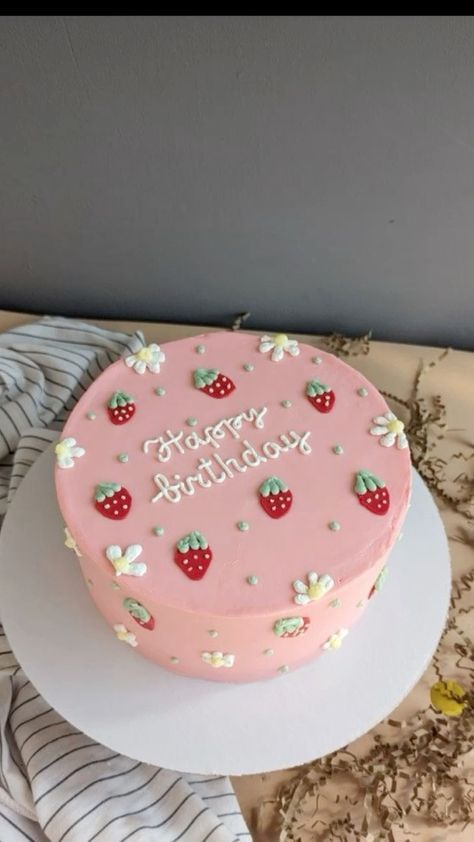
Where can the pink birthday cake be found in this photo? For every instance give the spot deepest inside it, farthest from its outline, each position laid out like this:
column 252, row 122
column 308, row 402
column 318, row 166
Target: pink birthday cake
column 232, row 500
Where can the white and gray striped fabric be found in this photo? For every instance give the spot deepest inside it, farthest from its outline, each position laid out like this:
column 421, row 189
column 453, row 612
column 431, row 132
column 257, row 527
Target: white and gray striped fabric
column 55, row 782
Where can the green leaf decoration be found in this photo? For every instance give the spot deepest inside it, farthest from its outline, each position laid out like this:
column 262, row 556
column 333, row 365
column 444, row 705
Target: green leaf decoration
column 272, row 485
column 204, row 377
column 120, row 399
column 106, row 489
column 136, row 609
column 287, row 625
column 193, row 540
column 314, row 388
column 366, row 481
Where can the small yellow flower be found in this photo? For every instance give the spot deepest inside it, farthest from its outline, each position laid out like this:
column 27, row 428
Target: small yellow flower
column 148, row 357
column 390, row 430
column 218, row 659
column 316, row 588
column 279, row 344
column 66, row 451
column 449, row 697
column 335, row 641
column 124, row 562
column 124, row 635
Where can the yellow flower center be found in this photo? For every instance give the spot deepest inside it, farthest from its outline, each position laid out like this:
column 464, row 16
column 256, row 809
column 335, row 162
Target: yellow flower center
column 61, row 449
column 121, row 564
column 217, row 660
column 144, row 354
column 280, row 340
column 315, row 591
column 396, row 426
column 122, row 635
column 336, row 643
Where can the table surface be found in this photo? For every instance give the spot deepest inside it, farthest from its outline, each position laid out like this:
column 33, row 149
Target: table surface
column 392, row 367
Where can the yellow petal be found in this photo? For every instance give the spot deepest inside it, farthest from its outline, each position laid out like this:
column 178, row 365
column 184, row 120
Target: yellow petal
column 449, row 697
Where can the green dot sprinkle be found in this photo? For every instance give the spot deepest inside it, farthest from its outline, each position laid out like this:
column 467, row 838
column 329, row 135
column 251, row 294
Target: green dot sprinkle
column 252, row 580
column 158, row 530
column 317, row 360
column 122, row 457
column 362, row 392
column 91, row 416
column 268, row 652
column 334, row 525
column 338, row 449
column 243, row 526
column 200, row 349
column 115, row 586
column 400, row 536
column 160, row 391
column 174, row 660
column 213, row 633
column 191, row 422
column 286, row 404
column 360, row 604
column 283, row 669
column 248, row 367
column 335, row 603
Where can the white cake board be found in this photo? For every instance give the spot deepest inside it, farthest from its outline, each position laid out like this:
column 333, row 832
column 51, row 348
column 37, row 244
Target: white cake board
column 107, row 690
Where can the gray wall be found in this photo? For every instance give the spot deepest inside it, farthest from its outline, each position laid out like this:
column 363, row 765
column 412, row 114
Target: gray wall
column 318, row 171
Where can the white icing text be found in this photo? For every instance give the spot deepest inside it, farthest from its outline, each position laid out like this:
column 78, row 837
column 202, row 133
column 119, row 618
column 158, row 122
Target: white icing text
column 171, row 443
column 217, row 469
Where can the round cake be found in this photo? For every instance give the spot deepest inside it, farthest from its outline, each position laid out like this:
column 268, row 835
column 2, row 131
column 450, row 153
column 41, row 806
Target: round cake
column 232, row 500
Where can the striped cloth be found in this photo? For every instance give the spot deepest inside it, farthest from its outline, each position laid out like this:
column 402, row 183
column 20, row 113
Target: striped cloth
column 55, row 782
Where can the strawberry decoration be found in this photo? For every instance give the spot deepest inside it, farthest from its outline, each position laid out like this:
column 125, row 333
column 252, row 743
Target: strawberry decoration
column 112, row 500
column 320, row 396
column 193, row 555
column 275, row 497
column 121, row 408
column 372, row 493
column 139, row 613
column 213, row 383
column 291, row 626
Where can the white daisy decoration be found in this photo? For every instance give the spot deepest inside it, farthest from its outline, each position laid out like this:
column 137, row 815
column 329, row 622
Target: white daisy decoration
column 66, row 451
column 149, row 357
column 124, row 562
column 70, row 542
column 125, row 635
column 278, row 344
column 316, row 587
column 335, row 641
column 218, row 659
column 390, row 430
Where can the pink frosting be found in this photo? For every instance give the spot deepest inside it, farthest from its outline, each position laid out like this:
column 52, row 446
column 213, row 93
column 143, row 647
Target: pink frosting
column 276, row 551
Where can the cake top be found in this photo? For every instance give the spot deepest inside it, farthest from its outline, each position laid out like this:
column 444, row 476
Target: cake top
column 231, row 474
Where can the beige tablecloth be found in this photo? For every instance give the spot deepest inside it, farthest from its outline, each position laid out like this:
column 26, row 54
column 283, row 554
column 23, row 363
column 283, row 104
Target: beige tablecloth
column 393, row 368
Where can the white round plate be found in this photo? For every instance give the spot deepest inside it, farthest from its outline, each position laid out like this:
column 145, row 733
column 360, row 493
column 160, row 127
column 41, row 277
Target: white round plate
column 118, row 698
